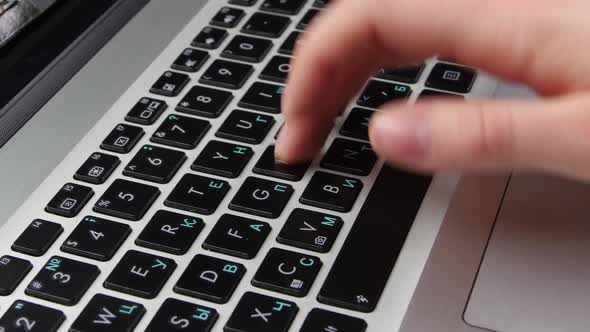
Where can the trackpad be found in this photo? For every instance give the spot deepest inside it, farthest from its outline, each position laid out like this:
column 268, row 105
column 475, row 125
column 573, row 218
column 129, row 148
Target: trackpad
column 535, row 275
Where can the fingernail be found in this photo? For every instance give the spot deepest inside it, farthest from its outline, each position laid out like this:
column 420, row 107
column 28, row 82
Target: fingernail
column 401, row 135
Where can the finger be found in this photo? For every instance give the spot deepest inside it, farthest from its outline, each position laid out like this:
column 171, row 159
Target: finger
column 550, row 136
column 352, row 38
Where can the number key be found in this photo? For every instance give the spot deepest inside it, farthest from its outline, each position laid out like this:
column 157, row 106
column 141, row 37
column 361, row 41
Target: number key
column 247, row 49
column 23, row 316
column 127, row 200
column 203, row 101
column 96, row 238
column 62, row 280
column 181, row 132
column 227, row 74
column 155, row 164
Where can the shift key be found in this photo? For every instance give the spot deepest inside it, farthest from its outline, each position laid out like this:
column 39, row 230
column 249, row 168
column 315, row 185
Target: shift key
column 365, row 262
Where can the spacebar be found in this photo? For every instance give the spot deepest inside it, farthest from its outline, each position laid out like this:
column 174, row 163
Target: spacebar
column 370, row 251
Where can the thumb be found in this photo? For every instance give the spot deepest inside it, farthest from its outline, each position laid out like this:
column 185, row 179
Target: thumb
column 551, row 135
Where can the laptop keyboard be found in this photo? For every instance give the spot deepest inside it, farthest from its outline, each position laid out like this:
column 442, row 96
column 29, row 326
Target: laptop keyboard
column 299, row 219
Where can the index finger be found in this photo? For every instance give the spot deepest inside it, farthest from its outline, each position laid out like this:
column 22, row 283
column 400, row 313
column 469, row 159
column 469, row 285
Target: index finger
column 352, row 39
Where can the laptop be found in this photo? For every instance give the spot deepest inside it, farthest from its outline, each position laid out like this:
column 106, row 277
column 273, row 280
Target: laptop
column 140, row 193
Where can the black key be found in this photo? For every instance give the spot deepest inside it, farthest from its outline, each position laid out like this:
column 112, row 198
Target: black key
column 206, row 102
column 237, row 236
column 227, row 74
column 156, row 164
column 69, row 200
column 263, row 97
column 146, row 111
column 451, row 78
column 406, row 74
column 176, row 315
column 310, row 230
column 277, row 70
column 170, row 232
column 190, row 60
column 127, row 200
column 427, row 93
column 97, row 168
column 12, row 272
column 181, row 132
column 289, row 44
column 63, row 281
column 349, row 157
column 96, row 238
column 378, row 93
column 140, row 274
column 287, row 7
column 261, row 313
column 266, row 25
column 246, row 127
column 197, row 194
column 357, row 124
column 107, row 313
column 323, row 320
column 331, row 191
column 307, row 18
column 170, row 84
column 287, row 272
column 228, row 17
column 210, row 279
column 267, row 165
column 122, row 139
column 23, row 316
column 210, row 38
column 247, row 49
column 321, row 3
column 262, row 197
column 243, row 2
column 382, row 223
column 223, row 159
column 37, row 237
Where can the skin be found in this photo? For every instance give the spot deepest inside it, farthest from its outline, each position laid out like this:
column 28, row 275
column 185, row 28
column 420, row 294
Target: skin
column 544, row 44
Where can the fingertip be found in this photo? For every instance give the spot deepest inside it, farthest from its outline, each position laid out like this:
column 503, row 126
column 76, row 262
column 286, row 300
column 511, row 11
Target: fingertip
column 400, row 135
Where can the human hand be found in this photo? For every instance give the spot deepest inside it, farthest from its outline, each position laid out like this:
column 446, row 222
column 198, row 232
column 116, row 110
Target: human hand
column 545, row 44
